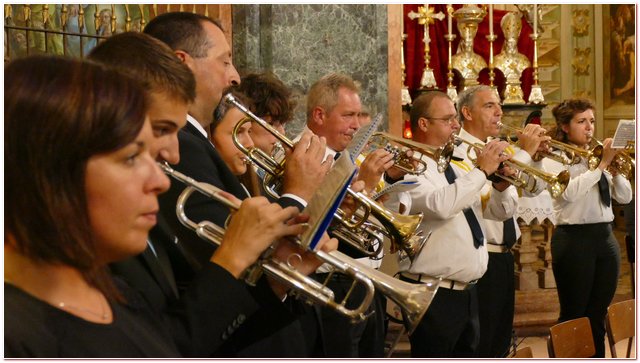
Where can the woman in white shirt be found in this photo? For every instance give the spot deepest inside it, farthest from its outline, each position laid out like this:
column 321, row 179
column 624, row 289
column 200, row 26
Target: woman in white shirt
column 586, row 255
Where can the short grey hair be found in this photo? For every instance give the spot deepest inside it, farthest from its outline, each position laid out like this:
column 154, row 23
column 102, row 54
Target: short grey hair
column 466, row 98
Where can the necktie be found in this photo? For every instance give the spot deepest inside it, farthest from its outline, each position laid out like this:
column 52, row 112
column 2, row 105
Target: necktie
column 336, row 156
column 603, row 186
column 509, row 232
column 476, row 231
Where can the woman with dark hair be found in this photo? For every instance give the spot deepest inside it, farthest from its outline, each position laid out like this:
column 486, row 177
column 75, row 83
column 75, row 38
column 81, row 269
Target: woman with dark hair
column 77, row 155
column 82, row 186
column 586, row 255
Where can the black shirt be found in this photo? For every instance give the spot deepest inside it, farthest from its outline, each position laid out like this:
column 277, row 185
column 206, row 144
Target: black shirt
column 33, row 328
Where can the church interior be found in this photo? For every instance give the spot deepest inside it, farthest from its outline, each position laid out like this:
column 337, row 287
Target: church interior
column 533, row 56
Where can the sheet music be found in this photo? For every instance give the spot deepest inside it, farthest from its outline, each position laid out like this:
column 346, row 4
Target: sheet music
column 362, row 136
column 326, row 200
column 397, row 187
column 625, row 132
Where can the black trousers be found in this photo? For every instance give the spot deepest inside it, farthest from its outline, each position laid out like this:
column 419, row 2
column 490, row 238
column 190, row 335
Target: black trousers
column 450, row 327
column 586, row 264
column 496, row 300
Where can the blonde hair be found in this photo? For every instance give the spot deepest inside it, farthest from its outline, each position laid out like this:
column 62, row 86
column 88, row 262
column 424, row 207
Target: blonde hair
column 324, row 93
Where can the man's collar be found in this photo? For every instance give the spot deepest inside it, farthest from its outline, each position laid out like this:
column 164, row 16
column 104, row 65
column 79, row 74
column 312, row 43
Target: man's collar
column 197, row 125
column 467, row 136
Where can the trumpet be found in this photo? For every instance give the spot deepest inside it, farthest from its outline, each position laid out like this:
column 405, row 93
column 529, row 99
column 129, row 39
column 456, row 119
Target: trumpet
column 441, row 155
column 525, row 177
column 400, row 229
column 623, row 163
column 408, row 164
column 412, row 299
column 569, row 154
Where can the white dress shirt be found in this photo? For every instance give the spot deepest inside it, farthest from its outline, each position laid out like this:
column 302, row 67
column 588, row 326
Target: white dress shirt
column 580, row 203
column 450, row 253
column 509, row 196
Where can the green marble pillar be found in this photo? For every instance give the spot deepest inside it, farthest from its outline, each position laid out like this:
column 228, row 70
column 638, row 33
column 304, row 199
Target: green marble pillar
column 301, row 43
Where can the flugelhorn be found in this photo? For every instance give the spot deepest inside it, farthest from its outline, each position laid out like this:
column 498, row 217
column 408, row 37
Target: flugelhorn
column 413, row 299
column 569, row 154
column 556, row 184
column 401, row 229
column 441, row 155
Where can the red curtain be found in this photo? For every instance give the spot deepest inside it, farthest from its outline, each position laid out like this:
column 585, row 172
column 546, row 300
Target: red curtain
column 414, row 49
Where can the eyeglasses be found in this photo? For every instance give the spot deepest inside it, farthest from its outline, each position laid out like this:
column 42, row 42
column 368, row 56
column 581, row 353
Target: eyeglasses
column 450, row 120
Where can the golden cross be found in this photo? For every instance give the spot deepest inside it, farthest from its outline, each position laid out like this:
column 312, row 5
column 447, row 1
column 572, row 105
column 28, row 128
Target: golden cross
column 425, row 15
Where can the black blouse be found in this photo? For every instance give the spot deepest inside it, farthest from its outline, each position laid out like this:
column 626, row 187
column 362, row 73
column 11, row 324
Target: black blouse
column 33, row 328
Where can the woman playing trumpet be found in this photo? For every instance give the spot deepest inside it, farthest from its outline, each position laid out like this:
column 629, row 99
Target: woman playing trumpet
column 586, row 255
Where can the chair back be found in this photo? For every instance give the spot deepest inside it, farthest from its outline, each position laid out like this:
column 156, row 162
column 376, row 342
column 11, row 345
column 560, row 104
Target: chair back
column 571, row 339
column 620, row 325
column 525, row 352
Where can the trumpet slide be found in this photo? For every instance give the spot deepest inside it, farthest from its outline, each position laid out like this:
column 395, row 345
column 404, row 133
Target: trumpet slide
column 412, row 299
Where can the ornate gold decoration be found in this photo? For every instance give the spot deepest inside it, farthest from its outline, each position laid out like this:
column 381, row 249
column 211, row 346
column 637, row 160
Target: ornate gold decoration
column 509, row 60
column 581, row 61
column 426, row 16
column 580, row 22
column 466, row 61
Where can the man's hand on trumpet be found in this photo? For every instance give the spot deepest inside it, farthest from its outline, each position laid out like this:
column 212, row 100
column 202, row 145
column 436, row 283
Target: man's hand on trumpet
column 252, row 229
column 303, row 261
column 373, row 167
column 306, row 167
column 492, row 154
column 533, row 139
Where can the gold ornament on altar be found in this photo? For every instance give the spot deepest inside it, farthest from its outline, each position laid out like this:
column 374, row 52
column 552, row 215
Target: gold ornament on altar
column 511, row 62
column 466, row 61
column 425, row 16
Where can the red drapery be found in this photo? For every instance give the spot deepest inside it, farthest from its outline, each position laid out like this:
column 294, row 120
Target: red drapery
column 414, row 49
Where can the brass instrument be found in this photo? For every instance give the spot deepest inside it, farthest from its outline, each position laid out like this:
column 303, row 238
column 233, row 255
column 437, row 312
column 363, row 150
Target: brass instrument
column 441, row 155
column 413, row 299
column 556, row 184
column 569, row 155
column 400, row 229
column 408, row 164
column 623, row 163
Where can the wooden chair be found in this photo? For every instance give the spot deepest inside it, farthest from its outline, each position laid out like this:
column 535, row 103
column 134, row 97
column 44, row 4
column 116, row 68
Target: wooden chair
column 571, row 339
column 525, row 352
column 620, row 325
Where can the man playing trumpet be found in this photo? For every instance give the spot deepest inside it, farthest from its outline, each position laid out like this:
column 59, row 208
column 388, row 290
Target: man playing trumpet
column 456, row 250
column 480, row 112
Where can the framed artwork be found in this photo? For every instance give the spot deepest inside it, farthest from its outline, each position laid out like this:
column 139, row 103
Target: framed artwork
column 619, row 25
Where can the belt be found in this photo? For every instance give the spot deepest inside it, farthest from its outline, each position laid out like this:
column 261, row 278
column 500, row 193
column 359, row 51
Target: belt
column 444, row 283
column 497, row 248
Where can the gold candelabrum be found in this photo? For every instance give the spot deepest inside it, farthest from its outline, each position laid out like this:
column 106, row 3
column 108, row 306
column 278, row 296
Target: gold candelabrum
column 466, row 61
column 426, row 16
column 452, row 92
column 511, row 62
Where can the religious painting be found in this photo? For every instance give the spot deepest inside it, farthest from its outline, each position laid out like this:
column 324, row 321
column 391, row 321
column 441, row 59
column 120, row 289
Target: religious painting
column 88, row 21
column 619, row 27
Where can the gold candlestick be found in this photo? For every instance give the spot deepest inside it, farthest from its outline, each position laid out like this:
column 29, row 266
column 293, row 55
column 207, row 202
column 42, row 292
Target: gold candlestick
column 425, row 16
column 535, row 96
column 452, row 92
